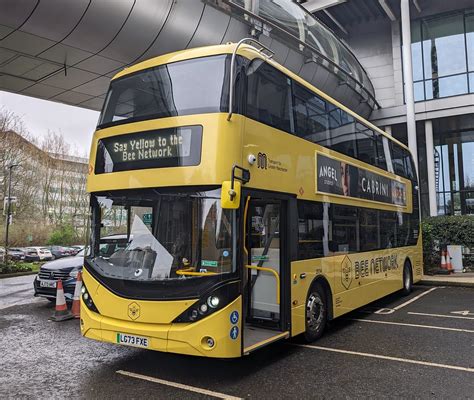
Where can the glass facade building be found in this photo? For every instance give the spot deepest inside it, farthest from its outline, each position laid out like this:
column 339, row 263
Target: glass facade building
column 443, row 55
column 454, row 166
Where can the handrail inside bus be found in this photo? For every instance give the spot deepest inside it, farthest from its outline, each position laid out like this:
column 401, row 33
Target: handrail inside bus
column 262, row 49
column 190, row 272
column 277, row 277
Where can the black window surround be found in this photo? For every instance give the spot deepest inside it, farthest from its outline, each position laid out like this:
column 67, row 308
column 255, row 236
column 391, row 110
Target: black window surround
column 278, row 101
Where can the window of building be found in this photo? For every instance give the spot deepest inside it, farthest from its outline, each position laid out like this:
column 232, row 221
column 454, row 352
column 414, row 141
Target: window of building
column 454, row 166
column 442, row 55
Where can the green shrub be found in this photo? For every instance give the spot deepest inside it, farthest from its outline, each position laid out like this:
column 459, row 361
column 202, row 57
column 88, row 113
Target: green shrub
column 15, row 267
column 444, row 230
column 62, row 235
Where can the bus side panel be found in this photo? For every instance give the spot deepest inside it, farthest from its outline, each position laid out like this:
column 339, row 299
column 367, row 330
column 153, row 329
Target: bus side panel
column 365, row 277
column 323, row 267
column 416, row 256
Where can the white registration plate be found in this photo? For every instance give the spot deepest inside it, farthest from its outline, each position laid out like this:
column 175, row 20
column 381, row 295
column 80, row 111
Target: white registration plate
column 48, row 284
column 132, row 340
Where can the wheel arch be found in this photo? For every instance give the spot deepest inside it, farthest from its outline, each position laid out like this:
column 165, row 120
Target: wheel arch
column 323, row 282
column 410, row 264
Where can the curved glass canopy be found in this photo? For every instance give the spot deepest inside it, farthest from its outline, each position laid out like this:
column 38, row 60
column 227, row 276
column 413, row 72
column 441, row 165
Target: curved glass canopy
column 293, row 23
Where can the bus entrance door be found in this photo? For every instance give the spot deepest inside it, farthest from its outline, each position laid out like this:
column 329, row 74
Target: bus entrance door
column 263, row 255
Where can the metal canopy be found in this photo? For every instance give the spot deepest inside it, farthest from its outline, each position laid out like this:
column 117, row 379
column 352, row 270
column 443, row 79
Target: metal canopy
column 67, row 51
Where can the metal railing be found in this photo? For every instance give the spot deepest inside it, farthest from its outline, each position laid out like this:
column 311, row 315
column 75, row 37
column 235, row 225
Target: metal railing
column 272, row 271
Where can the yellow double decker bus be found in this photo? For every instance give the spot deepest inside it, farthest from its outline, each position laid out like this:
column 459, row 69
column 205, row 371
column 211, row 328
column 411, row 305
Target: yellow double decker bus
column 246, row 205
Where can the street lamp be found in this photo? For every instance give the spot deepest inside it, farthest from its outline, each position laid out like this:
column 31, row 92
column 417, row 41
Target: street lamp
column 7, row 224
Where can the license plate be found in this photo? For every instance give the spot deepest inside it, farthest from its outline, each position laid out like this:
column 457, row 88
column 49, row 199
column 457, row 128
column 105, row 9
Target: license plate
column 48, row 284
column 132, row 340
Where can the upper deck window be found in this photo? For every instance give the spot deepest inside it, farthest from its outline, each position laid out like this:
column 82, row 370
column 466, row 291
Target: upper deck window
column 181, row 88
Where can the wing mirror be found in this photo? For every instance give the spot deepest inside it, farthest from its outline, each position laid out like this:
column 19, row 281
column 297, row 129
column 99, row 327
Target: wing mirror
column 231, row 190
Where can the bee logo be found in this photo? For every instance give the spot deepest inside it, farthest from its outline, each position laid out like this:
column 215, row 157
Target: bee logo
column 133, row 311
column 346, row 272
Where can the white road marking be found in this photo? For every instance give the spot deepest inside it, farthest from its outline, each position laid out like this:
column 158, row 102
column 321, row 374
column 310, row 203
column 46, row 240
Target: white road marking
column 443, row 328
column 385, row 311
column 438, row 315
column 466, row 312
column 404, row 360
column 179, row 385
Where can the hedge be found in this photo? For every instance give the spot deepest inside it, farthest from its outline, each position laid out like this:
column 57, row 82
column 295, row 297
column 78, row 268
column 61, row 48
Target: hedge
column 14, row 267
column 445, row 230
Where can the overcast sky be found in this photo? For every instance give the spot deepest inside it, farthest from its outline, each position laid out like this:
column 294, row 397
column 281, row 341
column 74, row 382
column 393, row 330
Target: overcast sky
column 76, row 124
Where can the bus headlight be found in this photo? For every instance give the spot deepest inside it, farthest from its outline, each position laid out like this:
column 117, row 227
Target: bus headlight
column 87, row 299
column 211, row 302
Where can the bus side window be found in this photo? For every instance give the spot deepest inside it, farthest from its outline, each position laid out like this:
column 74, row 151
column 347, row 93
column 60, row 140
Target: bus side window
column 344, row 229
column 311, row 235
column 311, row 118
column 398, row 161
column 368, row 229
column 381, row 159
column 366, row 150
column 388, row 235
column 409, row 165
column 403, row 229
column 343, row 137
column 268, row 96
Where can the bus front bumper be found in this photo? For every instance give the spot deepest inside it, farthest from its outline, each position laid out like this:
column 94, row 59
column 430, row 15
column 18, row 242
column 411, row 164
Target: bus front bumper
column 181, row 338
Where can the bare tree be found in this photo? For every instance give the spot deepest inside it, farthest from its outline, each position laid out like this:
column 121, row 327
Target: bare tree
column 15, row 148
column 49, row 183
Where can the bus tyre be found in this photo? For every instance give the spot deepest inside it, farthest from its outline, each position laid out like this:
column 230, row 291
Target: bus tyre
column 407, row 279
column 316, row 313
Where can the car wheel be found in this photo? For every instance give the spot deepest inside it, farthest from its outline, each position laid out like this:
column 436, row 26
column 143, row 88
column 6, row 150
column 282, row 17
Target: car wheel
column 407, row 279
column 316, row 313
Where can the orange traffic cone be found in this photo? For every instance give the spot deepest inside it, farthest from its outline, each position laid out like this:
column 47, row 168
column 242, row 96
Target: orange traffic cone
column 449, row 266
column 61, row 313
column 76, row 303
column 443, row 260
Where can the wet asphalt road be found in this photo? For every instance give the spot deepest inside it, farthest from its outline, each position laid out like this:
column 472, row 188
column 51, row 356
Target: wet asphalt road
column 41, row 359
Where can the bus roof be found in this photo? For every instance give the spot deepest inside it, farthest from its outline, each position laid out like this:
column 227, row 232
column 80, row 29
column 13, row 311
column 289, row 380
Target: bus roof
column 250, row 53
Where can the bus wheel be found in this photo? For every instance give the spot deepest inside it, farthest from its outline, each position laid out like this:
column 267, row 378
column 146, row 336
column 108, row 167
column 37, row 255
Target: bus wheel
column 407, row 279
column 316, row 313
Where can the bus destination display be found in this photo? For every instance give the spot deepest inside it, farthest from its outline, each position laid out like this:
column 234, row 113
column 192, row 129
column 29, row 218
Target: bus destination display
column 338, row 177
column 171, row 147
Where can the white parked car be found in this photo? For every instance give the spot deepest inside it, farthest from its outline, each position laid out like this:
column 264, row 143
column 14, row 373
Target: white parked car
column 43, row 253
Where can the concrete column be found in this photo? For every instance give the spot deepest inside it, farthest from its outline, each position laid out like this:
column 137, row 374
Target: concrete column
column 430, row 165
column 408, row 75
column 388, row 129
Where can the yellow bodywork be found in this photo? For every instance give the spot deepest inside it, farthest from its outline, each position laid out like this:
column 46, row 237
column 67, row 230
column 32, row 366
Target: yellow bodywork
column 155, row 321
column 289, row 168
